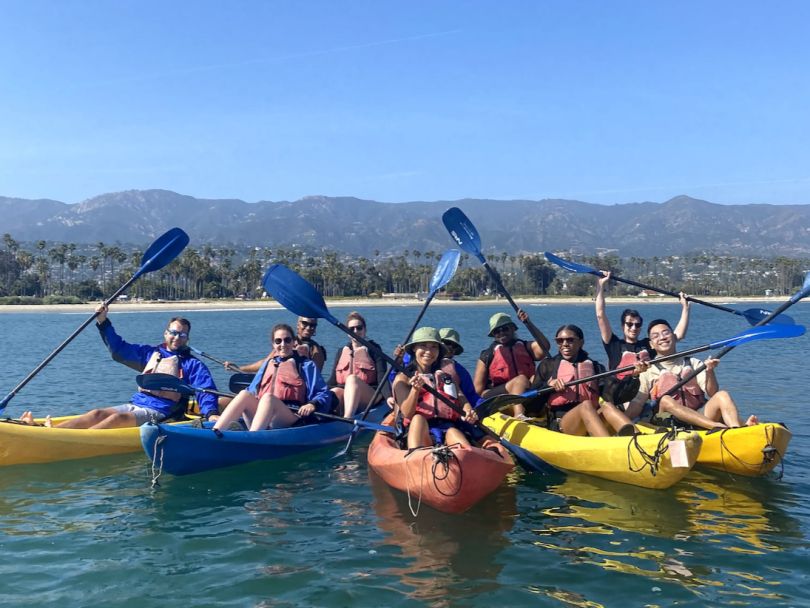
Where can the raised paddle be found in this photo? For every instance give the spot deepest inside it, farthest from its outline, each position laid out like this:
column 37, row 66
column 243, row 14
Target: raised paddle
column 160, row 253
column 298, row 296
column 445, row 270
column 803, row 293
column 231, row 367
column 167, row 382
column 488, row 407
column 752, row 315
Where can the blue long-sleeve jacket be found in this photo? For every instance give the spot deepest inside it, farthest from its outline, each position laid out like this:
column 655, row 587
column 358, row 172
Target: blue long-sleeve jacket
column 467, row 385
column 317, row 392
column 137, row 356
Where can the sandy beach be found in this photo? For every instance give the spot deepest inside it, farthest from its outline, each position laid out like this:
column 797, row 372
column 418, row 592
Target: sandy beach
column 202, row 305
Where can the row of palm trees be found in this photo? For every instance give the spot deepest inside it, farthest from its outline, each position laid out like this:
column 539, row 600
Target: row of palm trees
column 225, row 272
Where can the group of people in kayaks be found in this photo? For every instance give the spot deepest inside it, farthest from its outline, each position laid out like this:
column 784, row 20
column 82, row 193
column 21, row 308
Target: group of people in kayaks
column 288, row 386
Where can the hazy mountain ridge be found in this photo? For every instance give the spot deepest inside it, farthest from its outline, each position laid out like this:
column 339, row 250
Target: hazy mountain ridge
column 680, row 225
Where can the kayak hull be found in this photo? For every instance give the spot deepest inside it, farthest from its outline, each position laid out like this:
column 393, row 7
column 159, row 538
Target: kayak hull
column 614, row 458
column 23, row 444
column 740, row 451
column 472, row 472
column 186, row 451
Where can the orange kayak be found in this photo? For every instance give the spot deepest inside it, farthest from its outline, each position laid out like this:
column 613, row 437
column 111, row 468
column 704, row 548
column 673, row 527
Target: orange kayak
column 449, row 478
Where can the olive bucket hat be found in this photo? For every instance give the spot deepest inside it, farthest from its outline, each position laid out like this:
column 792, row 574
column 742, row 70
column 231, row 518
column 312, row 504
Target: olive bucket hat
column 499, row 320
column 449, row 334
column 426, row 334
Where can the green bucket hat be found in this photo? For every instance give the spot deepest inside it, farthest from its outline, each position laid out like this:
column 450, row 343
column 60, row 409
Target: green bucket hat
column 426, row 334
column 499, row 320
column 448, row 334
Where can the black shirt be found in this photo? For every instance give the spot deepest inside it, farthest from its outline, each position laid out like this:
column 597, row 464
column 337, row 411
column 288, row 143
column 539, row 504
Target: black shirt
column 616, row 348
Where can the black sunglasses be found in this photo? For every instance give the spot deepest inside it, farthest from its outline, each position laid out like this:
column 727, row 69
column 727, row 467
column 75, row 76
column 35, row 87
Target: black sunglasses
column 308, row 324
column 636, row 325
column 357, row 328
column 286, row 340
column 561, row 341
column 501, row 329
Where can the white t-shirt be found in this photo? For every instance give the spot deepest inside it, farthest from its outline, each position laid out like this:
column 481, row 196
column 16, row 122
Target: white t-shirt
column 648, row 379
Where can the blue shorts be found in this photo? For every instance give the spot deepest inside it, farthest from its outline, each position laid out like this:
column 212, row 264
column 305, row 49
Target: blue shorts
column 438, row 428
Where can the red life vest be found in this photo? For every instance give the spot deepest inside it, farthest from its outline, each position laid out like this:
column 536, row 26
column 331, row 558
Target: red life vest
column 157, row 364
column 429, row 406
column 284, row 381
column 357, row 362
column 510, row 362
column 629, row 358
column 689, row 395
column 587, row 391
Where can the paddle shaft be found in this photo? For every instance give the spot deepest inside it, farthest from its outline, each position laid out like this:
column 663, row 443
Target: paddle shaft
column 401, row 369
column 230, row 367
column 727, row 349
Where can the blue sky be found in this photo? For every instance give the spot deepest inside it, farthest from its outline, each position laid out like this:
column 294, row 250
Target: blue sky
column 607, row 102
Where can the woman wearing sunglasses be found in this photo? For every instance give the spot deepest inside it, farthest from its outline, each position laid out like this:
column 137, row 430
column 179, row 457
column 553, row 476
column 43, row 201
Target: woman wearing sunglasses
column 507, row 366
column 285, row 380
column 625, row 351
column 357, row 372
column 304, row 346
column 575, row 410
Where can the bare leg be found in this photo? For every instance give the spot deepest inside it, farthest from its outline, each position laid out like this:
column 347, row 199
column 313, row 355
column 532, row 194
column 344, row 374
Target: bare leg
column 722, row 407
column 583, row 420
column 340, row 393
column 516, row 386
column 27, row 418
column 614, row 416
column 244, row 402
column 119, row 420
column 690, row 416
column 418, row 433
column 357, row 392
column 88, row 420
column 272, row 413
column 455, row 436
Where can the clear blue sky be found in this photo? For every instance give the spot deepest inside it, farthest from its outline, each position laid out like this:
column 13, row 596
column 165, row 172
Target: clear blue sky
column 607, row 102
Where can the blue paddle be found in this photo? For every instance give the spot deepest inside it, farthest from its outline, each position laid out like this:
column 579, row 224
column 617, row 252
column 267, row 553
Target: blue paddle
column 752, row 315
column 445, row 270
column 160, row 253
column 167, row 382
column 769, row 332
column 297, row 295
column 803, row 293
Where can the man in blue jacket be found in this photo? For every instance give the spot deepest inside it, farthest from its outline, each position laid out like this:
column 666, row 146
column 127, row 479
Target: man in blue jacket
column 172, row 357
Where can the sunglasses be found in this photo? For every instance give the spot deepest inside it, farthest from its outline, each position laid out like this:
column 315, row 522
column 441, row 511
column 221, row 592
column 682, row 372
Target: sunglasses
column 308, row 324
column 357, row 328
column 636, row 325
column 664, row 334
column 565, row 340
column 179, row 334
column 287, row 340
column 501, row 330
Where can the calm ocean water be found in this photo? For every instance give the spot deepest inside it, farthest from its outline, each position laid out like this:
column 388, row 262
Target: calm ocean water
column 318, row 531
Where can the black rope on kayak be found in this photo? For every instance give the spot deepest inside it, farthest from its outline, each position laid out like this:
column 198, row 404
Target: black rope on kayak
column 650, row 460
column 158, row 444
column 769, row 452
column 443, row 455
column 14, row 421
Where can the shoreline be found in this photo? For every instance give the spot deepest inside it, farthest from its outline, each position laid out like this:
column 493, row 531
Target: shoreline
column 234, row 305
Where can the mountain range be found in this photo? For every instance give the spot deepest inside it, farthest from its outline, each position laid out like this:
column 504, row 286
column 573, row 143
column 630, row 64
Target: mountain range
column 678, row 226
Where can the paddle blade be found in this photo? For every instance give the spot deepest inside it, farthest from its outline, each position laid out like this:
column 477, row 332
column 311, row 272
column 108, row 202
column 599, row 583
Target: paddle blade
column 494, row 404
column 445, row 269
column 756, row 315
column 463, row 232
column 570, row 266
column 163, row 250
column 765, row 332
column 295, row 293
column 805, row 290
column 240, row 382
column 164, row 382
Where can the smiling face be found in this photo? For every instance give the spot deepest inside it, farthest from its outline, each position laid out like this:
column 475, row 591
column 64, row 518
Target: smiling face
column 663, row 339
column 569, row 344
column 306, row 327
column 632, row 328
column 176, row 336
column 503, row 334
column 425, row 354
column 451, row 349
column 283, row 343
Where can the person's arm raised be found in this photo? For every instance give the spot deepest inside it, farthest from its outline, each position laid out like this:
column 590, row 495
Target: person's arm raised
column 541, row 345
column 683, row 324
column 601, row 314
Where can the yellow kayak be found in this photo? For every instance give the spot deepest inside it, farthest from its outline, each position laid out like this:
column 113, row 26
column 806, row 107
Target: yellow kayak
column 623, row 459
column 740, row 451
column 23, row 444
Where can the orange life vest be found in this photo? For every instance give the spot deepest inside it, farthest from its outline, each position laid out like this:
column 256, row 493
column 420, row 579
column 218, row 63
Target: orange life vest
column 283, row 380
column 689, row 395
column 510, row 362
column 357, row 362
column 157, row 364
column 629, row 358
column 587, row 391
column 430, row 406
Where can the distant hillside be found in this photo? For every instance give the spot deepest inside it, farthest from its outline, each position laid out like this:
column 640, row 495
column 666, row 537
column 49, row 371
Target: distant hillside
column 680, row 225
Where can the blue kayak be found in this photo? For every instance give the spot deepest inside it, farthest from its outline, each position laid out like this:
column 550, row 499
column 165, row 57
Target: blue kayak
column 185, row 451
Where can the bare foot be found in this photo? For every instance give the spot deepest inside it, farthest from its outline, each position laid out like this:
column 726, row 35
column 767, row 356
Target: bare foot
column 752, row 420
column 48, row 422
column 27, row 418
